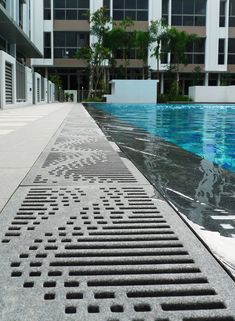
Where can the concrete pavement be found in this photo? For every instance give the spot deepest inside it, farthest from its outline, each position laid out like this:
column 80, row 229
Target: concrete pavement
column 24, row 133
column 85, row 237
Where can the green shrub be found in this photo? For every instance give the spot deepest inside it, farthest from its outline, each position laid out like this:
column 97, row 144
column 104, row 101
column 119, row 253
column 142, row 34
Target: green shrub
column 94, row 99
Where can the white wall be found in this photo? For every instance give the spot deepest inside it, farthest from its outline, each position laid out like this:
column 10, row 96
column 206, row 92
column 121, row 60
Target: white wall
column 212, row 94
column 213, row 34
column 29, row 85
column 4, row 57
column 37, row 24
column 133, row 91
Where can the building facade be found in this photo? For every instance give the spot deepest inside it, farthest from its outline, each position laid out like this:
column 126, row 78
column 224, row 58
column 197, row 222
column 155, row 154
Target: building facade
column 21, row 38
column 66, row 30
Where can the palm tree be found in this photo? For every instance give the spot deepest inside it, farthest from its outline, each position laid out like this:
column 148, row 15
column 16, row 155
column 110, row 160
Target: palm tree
column 96, row 53
column 121, row 39
column 142, row 42
column 159, row 38
column 178, row 42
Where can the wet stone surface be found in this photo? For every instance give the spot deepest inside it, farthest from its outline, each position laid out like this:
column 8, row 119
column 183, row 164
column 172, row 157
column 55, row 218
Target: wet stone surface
column 105, row 250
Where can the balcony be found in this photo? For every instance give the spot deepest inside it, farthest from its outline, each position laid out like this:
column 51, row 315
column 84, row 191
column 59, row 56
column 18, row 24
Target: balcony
column 12, row 33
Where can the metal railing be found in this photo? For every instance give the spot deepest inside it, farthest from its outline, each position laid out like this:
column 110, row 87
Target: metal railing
column 42, row 89
column 20, row 82
column 9, row 83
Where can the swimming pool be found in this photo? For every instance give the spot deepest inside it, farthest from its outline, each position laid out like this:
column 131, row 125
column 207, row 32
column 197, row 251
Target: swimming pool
column 176, row 148
column 205, row 130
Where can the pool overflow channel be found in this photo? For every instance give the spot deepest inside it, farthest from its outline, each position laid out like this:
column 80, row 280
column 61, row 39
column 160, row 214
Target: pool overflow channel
column 86, row 237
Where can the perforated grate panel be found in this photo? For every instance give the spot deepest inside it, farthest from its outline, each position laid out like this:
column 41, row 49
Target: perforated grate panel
column 100, row 252
column 108, row 251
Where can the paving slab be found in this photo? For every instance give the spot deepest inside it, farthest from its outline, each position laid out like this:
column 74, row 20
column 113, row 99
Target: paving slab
column 102, row 251
column 21, row 146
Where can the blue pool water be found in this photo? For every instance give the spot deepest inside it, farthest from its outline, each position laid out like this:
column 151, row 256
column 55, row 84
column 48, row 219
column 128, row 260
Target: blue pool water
column 205, row 130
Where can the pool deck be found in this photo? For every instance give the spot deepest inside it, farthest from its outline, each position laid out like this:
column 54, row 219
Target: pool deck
column 86, row 237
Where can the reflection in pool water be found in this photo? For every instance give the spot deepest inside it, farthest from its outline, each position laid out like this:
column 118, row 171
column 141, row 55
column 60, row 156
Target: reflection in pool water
column 201, row 190
column 205, row 130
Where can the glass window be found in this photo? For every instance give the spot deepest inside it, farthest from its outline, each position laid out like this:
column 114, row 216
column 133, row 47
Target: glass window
column 165, row 6
column 232, row 7
column 187, row 20
column 130, row 4
column 47, row 9
column 47, row 39
column 231, row 59
column 59, row 14
column 84, row 4
column 200, row 7
column 188, row 13
column 221, row 45
column 176, row 20
column 71, row 14
column 71, row 4
column 142, row 15
column 130, row 14
column 59, row 39
column 221, row 51
column 133, row 9
column 118, row 15
column 71, row 39
column 222, row 13
column 82, row 15
column 47, row 45
column 188, row 7
column 231, row 45
column 232, row 13
column 199, row 59
column 177, row 6
column 59, row 4
column 195, row 52
column 142, row 4
column 199, row 20
column 66, row 43
column 118, row 4
column 106, row 3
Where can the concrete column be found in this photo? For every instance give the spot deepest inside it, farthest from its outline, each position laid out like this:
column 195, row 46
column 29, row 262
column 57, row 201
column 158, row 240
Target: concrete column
column 13, row 50
column 47, row 82
column 206, row 80
column 219, row 79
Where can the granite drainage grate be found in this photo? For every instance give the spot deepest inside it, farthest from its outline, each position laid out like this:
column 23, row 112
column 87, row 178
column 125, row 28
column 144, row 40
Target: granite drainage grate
column 104, row 252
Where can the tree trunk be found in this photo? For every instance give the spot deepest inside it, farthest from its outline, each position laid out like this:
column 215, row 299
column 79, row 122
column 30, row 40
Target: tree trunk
column 91, row 78
column 177, row 81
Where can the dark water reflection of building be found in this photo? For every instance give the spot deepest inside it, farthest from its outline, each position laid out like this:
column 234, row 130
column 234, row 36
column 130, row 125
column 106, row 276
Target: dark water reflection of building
column 199, row 189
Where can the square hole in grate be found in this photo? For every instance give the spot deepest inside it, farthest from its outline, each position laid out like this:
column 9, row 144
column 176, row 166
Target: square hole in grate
column 71, row 284
column 35, row 273
column 28, row 284
column 74, row 296
column 55, row 273
column 49, row 296
column 93, row 309
column 105, row 295
column 70, row 310
column 35, row 264
column 142, row 307
column 16, row 274
column 49, row 284
column 15, row 264
column 117, row 308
